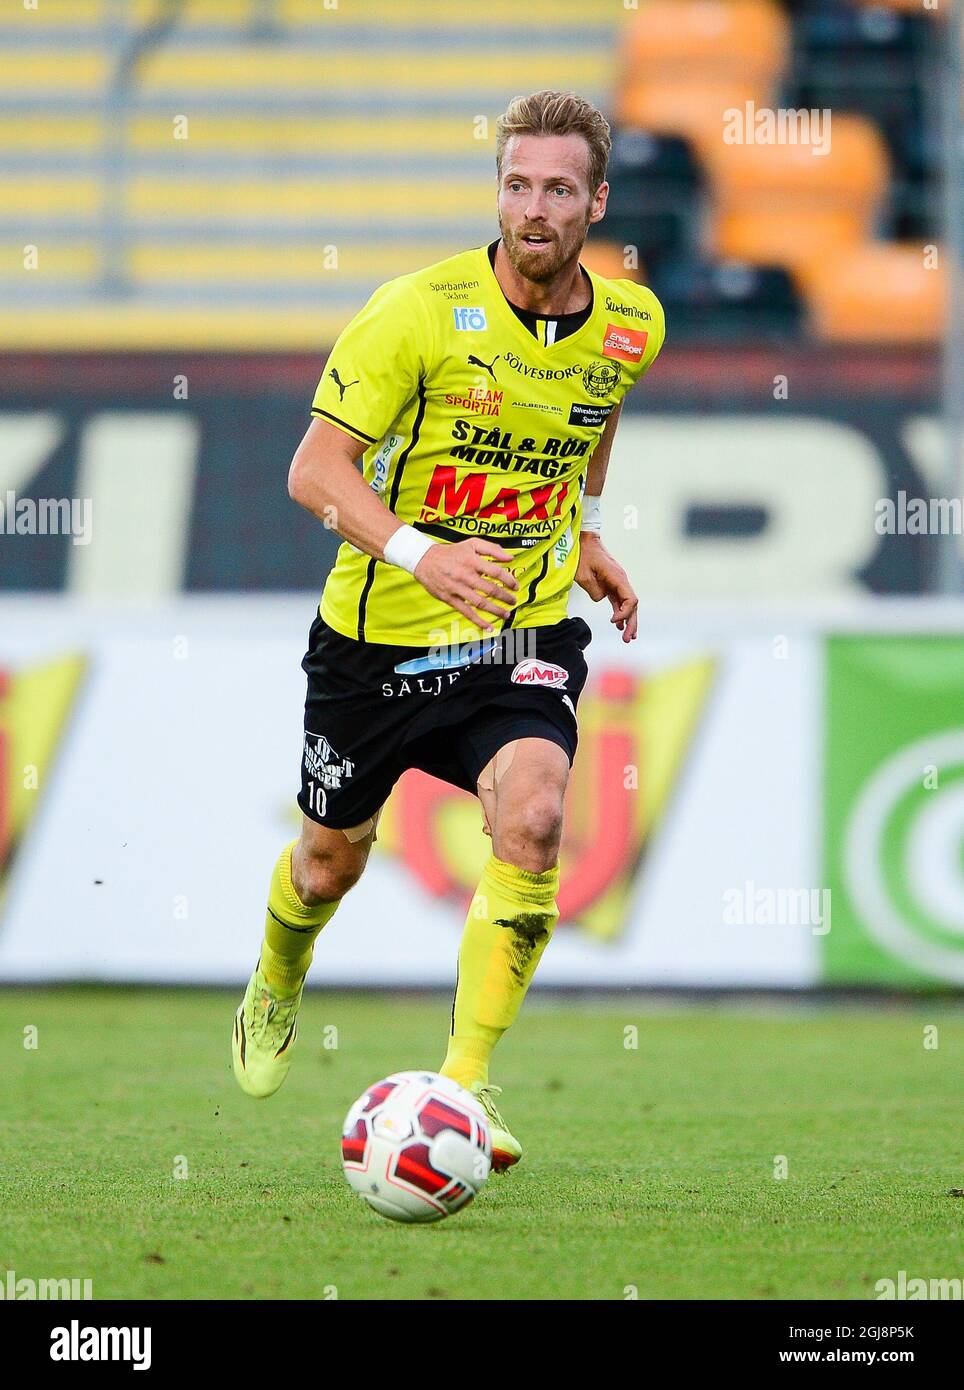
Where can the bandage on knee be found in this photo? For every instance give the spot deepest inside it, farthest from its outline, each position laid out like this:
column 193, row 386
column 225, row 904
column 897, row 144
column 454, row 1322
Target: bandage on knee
column 497, row 766
column 358, row 832
column 492, row 774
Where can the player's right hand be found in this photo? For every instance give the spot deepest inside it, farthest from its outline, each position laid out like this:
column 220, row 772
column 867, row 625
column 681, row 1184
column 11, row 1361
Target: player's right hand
column 472, row 576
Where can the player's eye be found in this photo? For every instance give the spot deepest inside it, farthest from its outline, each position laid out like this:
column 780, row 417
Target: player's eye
column 560, row 188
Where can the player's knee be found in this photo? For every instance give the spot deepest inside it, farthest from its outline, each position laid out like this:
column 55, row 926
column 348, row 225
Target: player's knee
column 537, row 824
column 321, row 875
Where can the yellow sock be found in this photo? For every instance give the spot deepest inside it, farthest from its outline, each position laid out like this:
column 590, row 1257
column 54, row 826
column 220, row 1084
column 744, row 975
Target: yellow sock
column 508, row 926
column 290, row 929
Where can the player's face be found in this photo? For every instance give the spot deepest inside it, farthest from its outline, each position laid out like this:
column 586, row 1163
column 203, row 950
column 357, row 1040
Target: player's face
column 545, row 203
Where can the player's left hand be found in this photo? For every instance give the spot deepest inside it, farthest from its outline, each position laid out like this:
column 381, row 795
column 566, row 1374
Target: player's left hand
column 604, row 577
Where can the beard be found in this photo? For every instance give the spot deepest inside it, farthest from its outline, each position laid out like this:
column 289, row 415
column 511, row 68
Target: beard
column 541, row 267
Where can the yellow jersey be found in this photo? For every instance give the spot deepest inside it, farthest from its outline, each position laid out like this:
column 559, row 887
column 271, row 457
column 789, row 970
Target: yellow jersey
column 474, row 427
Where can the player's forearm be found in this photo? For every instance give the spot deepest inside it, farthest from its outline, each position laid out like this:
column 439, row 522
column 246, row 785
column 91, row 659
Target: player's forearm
column 596, row 476
column 337, row 494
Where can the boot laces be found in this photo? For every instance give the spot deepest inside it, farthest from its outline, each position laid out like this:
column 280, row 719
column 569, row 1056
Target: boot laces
column 272, row 1017
column 486, row 1096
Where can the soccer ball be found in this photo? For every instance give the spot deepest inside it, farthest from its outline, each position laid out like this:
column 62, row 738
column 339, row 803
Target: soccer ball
column 416, row 1146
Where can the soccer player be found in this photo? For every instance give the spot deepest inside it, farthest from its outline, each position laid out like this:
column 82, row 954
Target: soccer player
column 482, row 396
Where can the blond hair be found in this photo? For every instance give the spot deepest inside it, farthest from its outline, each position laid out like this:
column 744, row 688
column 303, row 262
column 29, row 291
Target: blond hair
column 557, row 113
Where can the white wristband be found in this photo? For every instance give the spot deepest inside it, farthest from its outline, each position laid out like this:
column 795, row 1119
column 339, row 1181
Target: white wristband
column 591, row 514
column 406, row 547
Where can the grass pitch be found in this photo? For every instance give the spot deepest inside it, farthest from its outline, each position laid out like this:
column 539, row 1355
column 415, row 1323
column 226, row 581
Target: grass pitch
column 649, row 1169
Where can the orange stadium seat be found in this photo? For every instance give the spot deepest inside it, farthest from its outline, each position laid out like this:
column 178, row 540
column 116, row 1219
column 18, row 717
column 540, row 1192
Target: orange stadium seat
column 787, row 237
column 606, row 258
column 696, row 110
column 854, row 167
column 685, row 38
column 687, row 61
column 784, row 204
column 878, row 292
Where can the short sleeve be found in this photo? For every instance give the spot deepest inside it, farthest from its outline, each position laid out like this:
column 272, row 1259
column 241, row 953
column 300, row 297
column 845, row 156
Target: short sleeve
column 375, row 367
column 657, row 335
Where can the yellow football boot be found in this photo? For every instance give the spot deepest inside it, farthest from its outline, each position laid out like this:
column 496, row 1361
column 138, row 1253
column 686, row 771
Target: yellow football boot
column 506, row 1149
column 265, row 1033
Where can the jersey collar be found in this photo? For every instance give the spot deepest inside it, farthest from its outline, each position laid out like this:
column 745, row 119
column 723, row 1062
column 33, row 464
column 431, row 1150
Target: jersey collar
column 505, row 309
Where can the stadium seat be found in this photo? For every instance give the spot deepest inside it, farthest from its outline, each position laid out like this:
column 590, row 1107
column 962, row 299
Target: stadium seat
column 685, row 64
column 726, row 299
column 789, row 236
column 63, row 72
column 361, row 265
column 607, row 258
column 915, row 211
column 854, row 169
column 870, row 61
column 653, row 182
column 878, row 292
column 61, row 261
column 669, row 40
column 665, row 161
column 260, row 72
column 784, row 202
column 221, row 200
column 694, row 110
column 827, row 29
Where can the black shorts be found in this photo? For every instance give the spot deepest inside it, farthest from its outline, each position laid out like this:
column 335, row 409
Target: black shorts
column 374, row 710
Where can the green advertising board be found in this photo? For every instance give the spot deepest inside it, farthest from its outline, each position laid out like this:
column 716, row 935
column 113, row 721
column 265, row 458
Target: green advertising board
column 894, row 810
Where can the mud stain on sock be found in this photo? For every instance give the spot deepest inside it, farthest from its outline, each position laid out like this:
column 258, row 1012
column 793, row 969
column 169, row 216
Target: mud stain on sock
column 529, row 933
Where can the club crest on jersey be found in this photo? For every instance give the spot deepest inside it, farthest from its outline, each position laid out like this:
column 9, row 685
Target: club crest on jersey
column 535, row 672
column 600, row 378
column 469, row 320
column 628, row 344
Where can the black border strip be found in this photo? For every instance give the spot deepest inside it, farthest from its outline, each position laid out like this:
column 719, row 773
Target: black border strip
column 344, row 425
column 453, row 534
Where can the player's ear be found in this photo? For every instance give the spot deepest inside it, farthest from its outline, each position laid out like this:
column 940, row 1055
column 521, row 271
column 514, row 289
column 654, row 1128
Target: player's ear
column 598, row 207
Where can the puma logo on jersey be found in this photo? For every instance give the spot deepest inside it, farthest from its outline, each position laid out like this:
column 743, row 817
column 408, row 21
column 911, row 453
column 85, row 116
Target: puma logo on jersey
column 342, row 385
column 489, row 367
